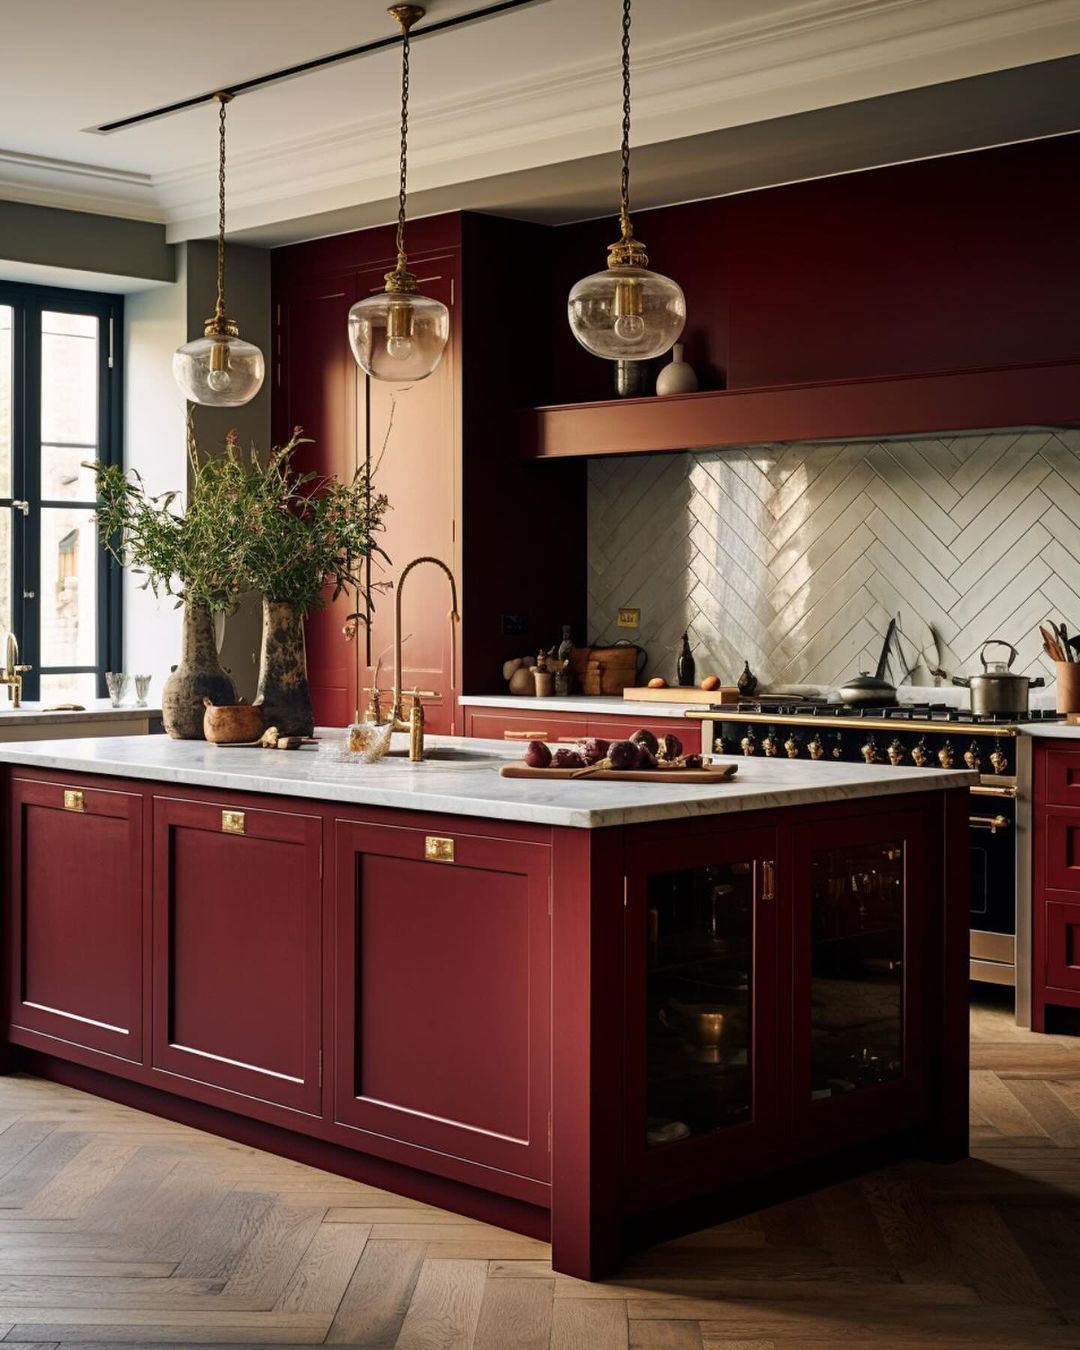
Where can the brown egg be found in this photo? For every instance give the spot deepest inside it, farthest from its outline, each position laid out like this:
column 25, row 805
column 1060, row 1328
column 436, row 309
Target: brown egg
column 711, row 682
column 658, row 682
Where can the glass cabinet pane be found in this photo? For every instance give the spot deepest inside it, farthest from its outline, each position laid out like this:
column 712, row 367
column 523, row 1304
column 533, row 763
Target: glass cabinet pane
column 857, row 949
column 699, row 1000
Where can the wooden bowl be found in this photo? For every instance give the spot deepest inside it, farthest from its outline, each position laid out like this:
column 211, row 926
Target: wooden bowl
column 232, row 723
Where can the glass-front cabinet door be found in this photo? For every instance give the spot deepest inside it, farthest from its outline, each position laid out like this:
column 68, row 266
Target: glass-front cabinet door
column 701, row 1006
column 856, row 1012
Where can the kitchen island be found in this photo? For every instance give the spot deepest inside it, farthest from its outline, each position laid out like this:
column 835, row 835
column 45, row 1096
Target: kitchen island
column 595, row 1011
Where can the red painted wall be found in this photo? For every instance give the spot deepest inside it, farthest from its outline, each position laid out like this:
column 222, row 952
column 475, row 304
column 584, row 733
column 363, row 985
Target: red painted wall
column 963, row 261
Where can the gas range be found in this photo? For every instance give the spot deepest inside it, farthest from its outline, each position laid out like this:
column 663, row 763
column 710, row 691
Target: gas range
column 932, row 735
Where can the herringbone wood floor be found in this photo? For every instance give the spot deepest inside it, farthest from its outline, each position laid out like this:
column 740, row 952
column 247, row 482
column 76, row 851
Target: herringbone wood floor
column 119, row 1228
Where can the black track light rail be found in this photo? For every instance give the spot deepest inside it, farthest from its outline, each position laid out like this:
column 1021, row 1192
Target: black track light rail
column 393, row 39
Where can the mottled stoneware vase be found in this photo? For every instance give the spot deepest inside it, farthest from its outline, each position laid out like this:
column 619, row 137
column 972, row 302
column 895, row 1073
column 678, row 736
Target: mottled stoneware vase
column 199, row 675
column 283, row 683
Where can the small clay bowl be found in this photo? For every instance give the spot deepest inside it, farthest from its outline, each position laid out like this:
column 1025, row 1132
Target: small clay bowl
column 232, row 723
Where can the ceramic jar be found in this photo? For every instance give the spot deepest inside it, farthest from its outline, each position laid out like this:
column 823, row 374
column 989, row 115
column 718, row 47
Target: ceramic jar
column 678, row 376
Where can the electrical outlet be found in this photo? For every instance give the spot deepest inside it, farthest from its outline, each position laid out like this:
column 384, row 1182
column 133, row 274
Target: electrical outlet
column 628, row 618
column 511, row 624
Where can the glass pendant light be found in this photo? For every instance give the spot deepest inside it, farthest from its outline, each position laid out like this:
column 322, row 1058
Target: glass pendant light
column 626, row 312
column 220, row 369
column 400, row 334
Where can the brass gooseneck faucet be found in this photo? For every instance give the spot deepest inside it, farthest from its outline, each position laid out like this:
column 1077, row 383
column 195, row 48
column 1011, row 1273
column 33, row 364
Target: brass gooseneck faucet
column 13, row 671
column 414, row 724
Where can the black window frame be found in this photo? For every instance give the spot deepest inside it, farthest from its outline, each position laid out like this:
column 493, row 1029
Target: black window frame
column 28, row 303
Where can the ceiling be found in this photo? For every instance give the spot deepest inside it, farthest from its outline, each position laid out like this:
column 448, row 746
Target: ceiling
column 518, row 113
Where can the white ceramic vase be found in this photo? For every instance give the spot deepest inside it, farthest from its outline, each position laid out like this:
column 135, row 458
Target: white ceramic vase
column 677, row 377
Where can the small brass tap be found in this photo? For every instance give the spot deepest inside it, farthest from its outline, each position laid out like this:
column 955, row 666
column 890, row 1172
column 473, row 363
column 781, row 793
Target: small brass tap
column 13, row 671
column 414, row 723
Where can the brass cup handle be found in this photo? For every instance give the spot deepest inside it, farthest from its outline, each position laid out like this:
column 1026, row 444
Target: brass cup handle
column 991, row 823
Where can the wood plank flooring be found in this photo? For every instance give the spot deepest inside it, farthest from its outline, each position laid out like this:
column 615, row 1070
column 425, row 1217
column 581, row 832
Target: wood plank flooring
column 117, row 1228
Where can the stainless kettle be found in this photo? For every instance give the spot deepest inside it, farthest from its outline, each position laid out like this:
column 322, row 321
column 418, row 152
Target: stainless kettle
column 997, row 689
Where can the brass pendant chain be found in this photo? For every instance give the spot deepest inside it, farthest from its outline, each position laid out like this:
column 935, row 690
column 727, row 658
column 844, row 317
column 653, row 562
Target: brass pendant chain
column 402, row 261
column 624, row 212
column 223, row 101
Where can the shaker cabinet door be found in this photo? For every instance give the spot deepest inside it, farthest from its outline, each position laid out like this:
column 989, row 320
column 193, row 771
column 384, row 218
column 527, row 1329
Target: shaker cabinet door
column 76, row 915
column 237, row 950
column 443, row 999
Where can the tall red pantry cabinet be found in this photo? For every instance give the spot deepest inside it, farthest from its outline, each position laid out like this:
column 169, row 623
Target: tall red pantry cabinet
column 444, row 452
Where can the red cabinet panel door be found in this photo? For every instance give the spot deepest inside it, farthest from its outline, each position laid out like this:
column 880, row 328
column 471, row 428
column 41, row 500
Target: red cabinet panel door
column 237, row 950
column 443, row 994
column 76, row 885
column 1063, row 944
column 1062, row 842
column 1063, row 777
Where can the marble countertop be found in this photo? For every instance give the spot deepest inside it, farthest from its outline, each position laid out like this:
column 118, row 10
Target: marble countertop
column 94, row 710
column 466, row 781
column 1054, row 730
column 598, row 705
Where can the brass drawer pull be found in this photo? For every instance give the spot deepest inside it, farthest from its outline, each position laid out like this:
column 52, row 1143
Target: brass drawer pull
column 438, row 850
column 74, row 801
column 232, row 822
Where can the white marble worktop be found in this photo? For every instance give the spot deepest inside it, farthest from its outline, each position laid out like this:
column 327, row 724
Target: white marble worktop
column 1053, row 730
column 469, row 785
column 93, row 710
column 596, row 706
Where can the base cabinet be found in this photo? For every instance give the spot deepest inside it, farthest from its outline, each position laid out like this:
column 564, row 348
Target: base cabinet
column 75, row 915
column 237, row 950
column 443, row 992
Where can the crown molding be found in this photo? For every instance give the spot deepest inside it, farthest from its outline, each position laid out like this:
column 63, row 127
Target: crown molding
column 820, row 53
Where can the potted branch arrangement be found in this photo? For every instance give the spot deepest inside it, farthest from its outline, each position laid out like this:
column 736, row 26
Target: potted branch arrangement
column 307, row 535
column 191, row 554
column 248, row 525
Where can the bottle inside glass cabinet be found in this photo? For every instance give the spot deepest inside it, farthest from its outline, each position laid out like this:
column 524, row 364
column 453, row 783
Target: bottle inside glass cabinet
column 698, row 986
column 857, row 950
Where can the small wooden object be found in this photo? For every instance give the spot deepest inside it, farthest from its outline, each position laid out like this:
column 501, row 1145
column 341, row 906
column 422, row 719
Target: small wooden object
column 232, row 723
column 1067, row 690
column 677, row 694
column 604, row 670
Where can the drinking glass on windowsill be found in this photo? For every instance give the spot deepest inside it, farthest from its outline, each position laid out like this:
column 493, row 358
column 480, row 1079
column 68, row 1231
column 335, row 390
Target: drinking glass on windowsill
column 116, row 682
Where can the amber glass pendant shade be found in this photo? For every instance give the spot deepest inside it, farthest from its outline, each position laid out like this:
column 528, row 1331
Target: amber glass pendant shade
column 400, row 335
column 220, row 369
column 626, row 312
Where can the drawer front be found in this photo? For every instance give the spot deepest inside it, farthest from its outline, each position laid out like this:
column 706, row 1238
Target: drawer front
column 77, row 915
column 1062, row 844
column 237, row 920
column 1063, row 777
column 496, row 725
column 1062, row 930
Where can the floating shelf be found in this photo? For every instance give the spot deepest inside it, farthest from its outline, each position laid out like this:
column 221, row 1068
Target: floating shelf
column 1047, row 394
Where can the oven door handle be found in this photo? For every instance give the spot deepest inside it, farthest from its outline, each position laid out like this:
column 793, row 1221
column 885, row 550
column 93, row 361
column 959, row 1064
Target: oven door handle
column 991, row 823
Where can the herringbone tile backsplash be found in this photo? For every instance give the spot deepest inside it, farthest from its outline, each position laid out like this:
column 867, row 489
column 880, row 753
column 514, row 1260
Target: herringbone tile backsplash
column 795, row 556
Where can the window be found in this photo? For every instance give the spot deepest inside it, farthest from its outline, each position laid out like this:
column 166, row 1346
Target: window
column 60, row 405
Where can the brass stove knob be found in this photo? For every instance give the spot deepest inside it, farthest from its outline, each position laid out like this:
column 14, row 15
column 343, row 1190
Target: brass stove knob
column 895, row 752
column 946, row 755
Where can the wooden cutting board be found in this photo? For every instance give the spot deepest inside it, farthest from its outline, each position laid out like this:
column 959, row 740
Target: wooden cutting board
column 725, row 694
column 720, row 773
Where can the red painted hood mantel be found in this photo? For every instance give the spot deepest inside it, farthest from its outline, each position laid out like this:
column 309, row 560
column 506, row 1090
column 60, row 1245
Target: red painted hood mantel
column 1042, row 394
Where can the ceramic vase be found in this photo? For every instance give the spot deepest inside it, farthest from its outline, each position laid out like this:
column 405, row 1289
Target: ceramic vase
column 199, row 675
column 283, row 683
column 677, row 377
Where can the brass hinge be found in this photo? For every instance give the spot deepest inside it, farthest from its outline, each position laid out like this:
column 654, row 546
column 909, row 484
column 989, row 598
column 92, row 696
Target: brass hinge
column 626, row 892
column 768, row 879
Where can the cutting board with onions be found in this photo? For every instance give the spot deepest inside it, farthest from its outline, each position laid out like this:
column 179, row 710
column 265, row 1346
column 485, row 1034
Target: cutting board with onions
column 715, row 773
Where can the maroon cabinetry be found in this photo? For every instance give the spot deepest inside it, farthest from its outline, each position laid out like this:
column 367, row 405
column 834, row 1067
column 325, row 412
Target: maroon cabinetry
column 597, row 1033
column 1056, row 882
column 237, row 950
column 75, row 915
column 451, row 954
